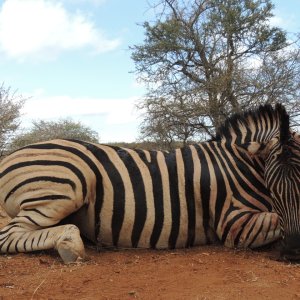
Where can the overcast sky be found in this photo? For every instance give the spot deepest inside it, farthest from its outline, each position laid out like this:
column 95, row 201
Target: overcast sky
column 71, row 58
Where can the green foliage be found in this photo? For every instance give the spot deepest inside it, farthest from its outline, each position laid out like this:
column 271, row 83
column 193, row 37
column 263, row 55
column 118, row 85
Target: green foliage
column 10, row 106
column 203, row 60
column 48, row 130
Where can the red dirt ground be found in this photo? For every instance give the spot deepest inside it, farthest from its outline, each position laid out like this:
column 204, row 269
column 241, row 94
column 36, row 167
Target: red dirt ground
column 210, row 272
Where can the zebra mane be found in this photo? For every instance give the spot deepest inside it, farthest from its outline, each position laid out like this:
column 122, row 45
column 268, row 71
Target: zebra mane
column 259, row 125
column 285, row 124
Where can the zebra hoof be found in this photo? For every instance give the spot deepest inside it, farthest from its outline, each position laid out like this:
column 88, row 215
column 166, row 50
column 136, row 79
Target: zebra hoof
column 68, row 256
column 70, row 246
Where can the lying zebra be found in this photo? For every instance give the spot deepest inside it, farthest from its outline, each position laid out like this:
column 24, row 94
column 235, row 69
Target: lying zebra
column 241, row 188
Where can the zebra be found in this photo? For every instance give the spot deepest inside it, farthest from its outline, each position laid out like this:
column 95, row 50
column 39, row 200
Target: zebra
column 240, row 188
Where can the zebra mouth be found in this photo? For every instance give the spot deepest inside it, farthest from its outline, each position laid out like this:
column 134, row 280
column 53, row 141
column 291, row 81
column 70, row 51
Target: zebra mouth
column 290, row 254
column 290, row 247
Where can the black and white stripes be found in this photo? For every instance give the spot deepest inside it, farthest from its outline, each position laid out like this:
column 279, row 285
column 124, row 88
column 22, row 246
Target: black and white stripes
column 121, row 197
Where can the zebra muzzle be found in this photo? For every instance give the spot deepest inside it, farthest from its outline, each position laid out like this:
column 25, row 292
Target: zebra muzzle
column 291, row 247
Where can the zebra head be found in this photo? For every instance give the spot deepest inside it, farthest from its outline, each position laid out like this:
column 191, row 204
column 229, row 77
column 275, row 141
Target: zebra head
column 282, row 177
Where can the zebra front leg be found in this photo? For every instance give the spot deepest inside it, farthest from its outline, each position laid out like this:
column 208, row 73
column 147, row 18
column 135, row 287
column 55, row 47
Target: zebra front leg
column 26, row 237
column 246, row 229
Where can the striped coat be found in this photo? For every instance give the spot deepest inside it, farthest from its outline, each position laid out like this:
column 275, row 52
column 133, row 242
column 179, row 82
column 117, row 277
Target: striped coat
column 196, row 195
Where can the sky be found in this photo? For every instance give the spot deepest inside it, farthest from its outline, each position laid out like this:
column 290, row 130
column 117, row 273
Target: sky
column 71, row 59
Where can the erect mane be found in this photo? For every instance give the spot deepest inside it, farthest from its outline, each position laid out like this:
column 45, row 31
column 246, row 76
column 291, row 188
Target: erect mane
column 260, row 125
column 284, row 124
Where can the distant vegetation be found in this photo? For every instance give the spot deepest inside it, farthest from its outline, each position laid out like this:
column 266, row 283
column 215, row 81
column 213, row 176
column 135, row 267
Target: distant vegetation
column 146, row 145
column 63, row 129
column 10, row 106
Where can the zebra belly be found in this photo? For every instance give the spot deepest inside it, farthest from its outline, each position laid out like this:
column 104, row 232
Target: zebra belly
column 107, row 234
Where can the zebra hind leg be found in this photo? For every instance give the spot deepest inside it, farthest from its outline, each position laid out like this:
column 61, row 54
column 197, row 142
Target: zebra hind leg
column 69, row 245
column 24, row 234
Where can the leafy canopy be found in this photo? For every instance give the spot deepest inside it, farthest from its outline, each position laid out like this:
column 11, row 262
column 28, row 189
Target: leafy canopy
column 202, row 60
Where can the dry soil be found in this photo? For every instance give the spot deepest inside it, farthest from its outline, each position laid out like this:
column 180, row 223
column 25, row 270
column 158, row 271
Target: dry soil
column 210, row 272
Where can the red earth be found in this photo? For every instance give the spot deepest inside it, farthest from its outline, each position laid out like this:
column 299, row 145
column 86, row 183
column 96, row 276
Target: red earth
column 210, row 272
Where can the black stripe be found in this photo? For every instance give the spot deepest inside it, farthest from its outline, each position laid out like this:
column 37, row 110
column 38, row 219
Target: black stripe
column 174, row 195
column 248, row 135
column 268, row 230
column 139, row 195
column 8, row 246
column 30, row 219
column 93, row 167
column 16, row 245
column 220, row 183
column 238, row 132
column 237, row 238
column 189, row 194
column 245, row 156
column 40, row 178
column 257, row 233
column 24, row 245
column 204, row 190
column 40, row 237
column 44, row 198
column 11, row 225
column 6, row 237
column 244, row 169
column 269, row 128
column 46, row 237
column 158, row 199
column 37, row 211
column 259, row 131
column 255, row 137
column 1, row 245
column 64, row 164
column 32, row 241
column 142, row 155
column 230, row 223
column 118, row 187
column 250, row 230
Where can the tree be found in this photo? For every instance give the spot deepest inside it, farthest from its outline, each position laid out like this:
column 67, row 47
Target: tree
column 203, row 60
column 48, row 130
column 10, row 106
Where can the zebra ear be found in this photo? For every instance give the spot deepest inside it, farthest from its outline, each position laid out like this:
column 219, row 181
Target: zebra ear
column 259, row 148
